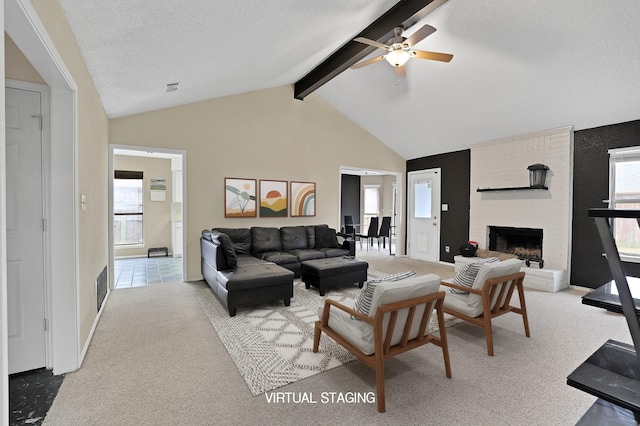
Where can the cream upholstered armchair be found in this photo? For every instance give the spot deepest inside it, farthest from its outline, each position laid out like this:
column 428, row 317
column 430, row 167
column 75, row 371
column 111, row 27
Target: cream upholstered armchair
column 397, row 321
column 488, row 297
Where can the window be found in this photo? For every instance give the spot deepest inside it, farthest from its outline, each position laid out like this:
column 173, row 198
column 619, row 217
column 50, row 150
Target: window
column 127, row 207
column 422, row 200
column 371, row 204
column 624, row 193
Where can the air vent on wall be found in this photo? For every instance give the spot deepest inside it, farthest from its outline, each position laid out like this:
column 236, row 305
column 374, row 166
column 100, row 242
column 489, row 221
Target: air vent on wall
column 171, row 87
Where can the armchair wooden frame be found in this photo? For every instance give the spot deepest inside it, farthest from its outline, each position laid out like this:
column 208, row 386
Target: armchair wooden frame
column 383, row 348
column 492, row 290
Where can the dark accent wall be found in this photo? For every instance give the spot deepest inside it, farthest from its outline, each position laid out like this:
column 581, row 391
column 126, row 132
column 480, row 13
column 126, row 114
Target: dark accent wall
column 350, row 199
column 590, row 187
column 455, row 184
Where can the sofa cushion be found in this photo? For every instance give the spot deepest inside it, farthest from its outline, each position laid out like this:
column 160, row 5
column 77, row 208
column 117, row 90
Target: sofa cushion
column 303, row 255
column 466, row 276
column 334, row 251
column 265, row 239
column 212, row 255
column 249, row 259
column 326, row 238
column 250, row 277
column 278, row 257
column 240, row 237
column 311, row 236
column 228, row 250
column 294, row 238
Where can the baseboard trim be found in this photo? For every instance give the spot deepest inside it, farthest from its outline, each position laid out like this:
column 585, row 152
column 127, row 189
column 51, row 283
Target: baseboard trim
column 93, row 329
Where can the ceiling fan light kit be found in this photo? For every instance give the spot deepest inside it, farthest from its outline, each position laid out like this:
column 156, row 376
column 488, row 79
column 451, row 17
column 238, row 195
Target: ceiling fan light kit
column 399, row 49
column 397, row 57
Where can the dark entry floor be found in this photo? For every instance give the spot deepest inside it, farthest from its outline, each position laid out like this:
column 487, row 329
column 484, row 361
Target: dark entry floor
column 31, row 394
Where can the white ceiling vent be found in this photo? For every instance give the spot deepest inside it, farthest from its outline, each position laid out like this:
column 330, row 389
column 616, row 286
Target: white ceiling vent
column 171, row 87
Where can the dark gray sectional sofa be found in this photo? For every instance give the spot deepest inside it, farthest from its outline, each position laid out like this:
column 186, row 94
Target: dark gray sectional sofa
column 250, row 266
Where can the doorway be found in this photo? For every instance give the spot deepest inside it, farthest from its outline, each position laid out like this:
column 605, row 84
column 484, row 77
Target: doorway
column 25, row 227
column 424, row 215
column 156, row 256
column 390, row 201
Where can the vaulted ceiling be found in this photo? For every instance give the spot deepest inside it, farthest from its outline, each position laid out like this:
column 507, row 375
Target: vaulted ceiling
column 518, row 66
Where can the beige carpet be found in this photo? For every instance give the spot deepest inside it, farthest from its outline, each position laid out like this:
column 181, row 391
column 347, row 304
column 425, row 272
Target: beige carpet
column 155, row 359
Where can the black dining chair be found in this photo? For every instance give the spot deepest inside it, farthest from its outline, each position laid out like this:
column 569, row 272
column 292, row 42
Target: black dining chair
column 350, row 229
column 348, row 225
column 372, row 232
column 385, row 229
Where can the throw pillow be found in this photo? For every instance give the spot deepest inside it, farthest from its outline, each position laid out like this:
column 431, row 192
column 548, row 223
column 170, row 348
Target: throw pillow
column 228, row 250
column 466, row 276
column 326, row 237
column 363, row 302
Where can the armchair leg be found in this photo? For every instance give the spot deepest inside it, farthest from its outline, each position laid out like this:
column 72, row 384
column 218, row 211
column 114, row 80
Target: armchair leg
column 523, row 310
column 316, row 336
column 380, row 383
column 443, row 341
column 489, row 333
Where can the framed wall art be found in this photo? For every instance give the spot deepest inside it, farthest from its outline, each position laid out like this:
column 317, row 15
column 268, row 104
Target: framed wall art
column 157, row 189
column 303, row 198
column 273, row 198
column 239, row 197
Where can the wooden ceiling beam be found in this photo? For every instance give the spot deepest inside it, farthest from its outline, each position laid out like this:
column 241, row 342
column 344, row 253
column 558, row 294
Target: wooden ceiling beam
column 405, row 13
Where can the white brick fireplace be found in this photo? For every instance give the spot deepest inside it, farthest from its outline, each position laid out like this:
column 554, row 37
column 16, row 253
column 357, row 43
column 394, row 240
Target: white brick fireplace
column 503, row 164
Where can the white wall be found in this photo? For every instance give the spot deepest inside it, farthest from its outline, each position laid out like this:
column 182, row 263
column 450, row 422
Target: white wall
column 266, row 134
column 503, row 163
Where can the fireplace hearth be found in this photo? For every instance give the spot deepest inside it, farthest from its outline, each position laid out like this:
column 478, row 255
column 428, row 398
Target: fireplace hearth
column 526, row 243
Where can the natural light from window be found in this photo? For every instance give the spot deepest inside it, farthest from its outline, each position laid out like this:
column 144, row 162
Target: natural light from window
column 371, row 204
column 624, row 185
column 127, row 210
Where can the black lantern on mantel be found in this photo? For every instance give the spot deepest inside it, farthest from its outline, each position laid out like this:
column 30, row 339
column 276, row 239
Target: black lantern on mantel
column 537, row 175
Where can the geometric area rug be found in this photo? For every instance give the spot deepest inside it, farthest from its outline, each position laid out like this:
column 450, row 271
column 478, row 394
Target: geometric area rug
column 272, row 344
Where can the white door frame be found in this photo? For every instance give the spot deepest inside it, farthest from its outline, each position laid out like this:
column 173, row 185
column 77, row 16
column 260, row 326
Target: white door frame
column 146, row 150
column 438, row 201
column 400, row 236
column 23, row 25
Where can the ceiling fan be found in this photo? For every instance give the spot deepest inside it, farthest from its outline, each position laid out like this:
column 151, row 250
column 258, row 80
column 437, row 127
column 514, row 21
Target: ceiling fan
column 399, row 49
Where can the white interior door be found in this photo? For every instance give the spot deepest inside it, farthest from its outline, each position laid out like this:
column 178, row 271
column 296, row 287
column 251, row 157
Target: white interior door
column 25, row 226
column 424, row 215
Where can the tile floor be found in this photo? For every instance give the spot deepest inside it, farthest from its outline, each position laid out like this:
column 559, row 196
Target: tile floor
column 142, row 271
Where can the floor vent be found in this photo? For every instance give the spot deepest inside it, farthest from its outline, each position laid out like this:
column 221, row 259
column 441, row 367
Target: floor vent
column 101, row 287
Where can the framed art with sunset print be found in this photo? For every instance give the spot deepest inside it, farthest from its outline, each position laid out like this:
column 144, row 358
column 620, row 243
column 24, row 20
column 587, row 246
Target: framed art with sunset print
column 239, row 197
column 273, row 198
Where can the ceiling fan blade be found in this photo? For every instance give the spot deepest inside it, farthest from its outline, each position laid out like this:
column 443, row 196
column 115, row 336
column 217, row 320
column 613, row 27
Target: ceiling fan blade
column 371, row 43
column 434, row 56
column 367, row 62
column 423, row 32
column 401, row 72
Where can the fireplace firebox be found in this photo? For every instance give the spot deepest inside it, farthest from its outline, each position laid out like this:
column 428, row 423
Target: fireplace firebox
column 526, row 243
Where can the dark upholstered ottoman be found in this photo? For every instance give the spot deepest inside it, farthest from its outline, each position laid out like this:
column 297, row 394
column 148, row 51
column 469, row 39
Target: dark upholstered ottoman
column 253, row 284
column 333, row 272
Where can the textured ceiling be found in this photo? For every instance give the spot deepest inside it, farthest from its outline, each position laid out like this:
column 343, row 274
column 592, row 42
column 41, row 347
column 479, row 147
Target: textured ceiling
column 518, row 66
column 212, row 48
